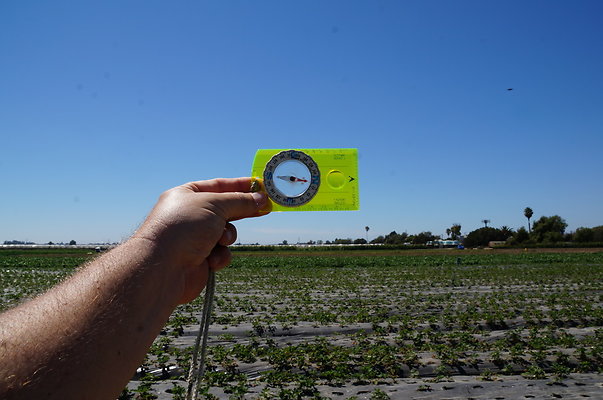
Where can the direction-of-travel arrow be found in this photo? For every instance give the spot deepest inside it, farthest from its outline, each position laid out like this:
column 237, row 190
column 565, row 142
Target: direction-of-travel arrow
column 351, row 179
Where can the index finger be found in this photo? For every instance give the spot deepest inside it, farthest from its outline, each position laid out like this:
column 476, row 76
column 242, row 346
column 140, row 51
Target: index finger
column 221, row 185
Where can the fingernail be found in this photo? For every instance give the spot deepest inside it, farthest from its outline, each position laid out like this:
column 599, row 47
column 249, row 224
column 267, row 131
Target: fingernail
column 228, row 236
column 259, row 198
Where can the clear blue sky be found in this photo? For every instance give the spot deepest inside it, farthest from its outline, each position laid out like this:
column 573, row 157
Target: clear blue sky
column 104, row 106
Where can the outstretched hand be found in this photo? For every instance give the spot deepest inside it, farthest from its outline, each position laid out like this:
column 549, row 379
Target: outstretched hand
column 190, row 227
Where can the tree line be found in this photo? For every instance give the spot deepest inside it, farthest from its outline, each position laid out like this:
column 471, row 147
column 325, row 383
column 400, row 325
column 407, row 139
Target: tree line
column 547, row 230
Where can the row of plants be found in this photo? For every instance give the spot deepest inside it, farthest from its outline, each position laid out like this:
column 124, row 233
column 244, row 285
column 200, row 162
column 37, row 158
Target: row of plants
column 379, row 319
column 284, row 327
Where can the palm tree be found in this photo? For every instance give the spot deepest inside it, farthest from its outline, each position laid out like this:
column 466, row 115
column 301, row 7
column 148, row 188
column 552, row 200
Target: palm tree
column 506, row 231
column 455, row 230
column 366, row 228
column 486, row 222
column 528, row 214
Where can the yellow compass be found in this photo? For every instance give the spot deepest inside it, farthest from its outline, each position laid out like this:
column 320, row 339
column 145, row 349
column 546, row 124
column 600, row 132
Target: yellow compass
column 307, row 179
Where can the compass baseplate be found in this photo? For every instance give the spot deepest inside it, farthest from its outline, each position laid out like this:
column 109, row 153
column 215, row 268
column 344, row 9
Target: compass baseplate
column 331, row 186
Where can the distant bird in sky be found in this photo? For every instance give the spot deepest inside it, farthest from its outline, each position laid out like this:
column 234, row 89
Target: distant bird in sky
column 509, row 89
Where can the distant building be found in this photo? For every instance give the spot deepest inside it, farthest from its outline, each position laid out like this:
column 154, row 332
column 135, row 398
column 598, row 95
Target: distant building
column 443, row 243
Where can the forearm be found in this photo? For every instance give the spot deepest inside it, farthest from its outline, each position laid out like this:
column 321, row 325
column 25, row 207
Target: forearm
column 84, row 338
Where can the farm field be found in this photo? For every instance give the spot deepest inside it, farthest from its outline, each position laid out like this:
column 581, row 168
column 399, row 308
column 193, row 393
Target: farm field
column 443, row 325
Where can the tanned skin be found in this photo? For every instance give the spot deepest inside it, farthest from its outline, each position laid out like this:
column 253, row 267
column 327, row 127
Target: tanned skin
column 84, row 338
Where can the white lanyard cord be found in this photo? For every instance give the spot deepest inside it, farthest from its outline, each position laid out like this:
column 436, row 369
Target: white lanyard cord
column 197, row 369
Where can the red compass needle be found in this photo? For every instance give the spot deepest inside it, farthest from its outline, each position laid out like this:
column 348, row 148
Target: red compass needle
column 292, row 178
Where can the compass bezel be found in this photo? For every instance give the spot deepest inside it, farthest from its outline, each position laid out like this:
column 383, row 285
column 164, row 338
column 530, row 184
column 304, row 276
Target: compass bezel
column 277, row 195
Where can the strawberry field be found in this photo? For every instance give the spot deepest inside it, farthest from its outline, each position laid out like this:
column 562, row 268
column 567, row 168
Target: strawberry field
column 463, row 325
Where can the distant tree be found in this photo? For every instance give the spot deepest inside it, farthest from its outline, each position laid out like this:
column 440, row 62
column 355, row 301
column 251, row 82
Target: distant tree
column 549, row 229
column 343, row 241
column 552, row 237
column 508, row 232
column 366, row 228
column 284, row 243
column 448, row 232
column 521, row 235
column 527, row 212
column 486, row 222
column 455, row 231
column 423, row 238
column 482, row 236
column 50, row 243
column 360, row 241
column 598, row 234
column 395, row 238
column 378, row 240
column 72, row 243
column 391, row 238
column 583, row 235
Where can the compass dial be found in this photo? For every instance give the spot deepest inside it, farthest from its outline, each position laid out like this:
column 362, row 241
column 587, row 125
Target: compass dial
column 291, row 178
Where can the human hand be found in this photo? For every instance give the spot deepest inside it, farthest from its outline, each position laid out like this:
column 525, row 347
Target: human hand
column 190, row 228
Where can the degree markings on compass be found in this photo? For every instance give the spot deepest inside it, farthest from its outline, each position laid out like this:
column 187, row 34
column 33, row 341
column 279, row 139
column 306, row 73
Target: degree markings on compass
column 293, row 178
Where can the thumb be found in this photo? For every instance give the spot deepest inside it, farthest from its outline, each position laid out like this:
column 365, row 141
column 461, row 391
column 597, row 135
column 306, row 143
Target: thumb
column 237, row 205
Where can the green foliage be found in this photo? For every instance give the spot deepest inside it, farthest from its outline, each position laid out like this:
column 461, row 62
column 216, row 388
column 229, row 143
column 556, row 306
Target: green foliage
column 424, row 388
column 23, row 277
column 521, row 236
column 423, row 237
column 487, row 375
column 378, row 240
column 454, row 231
column 598, row 234
column 394, row 238
column 506, row 231
column 306, row 321
column 551, row 237
column 585, row 235
column 482, row 236
column 549, row 229
column 534, row 372
column 144, row 391
column 44, row 252
column 379, row 394
column 178, row 392
column 126, row 394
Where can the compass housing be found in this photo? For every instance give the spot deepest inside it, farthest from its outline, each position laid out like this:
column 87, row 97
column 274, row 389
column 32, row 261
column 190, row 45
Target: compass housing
column 291, row 178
